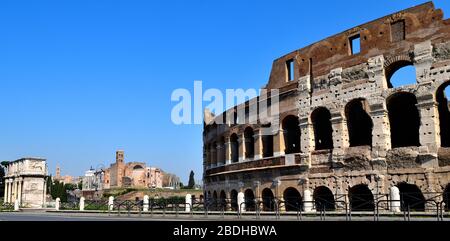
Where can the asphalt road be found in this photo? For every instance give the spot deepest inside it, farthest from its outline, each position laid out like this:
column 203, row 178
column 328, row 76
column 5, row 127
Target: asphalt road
column 50, row 216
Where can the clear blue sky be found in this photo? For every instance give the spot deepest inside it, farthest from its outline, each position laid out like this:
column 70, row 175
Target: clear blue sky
column 80, row 79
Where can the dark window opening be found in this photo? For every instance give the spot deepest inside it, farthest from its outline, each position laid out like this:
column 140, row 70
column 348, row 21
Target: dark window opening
column 404, row 120
column 267, row 142
column 249, row 197
column 234, row 148
column 290, row 70
column 361, row 198
column 292, row 200
column 444, row 113
column 223, row 200
column 411, row 197
column 249, row 143
column 398, row 31
column 233, row 197
column 268, row 200
column 355, row 44
column 359, row 123
column 323, row 132
column 291, row 131
column 324, row 199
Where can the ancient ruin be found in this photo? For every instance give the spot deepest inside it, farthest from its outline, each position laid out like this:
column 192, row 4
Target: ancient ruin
column 345, row 134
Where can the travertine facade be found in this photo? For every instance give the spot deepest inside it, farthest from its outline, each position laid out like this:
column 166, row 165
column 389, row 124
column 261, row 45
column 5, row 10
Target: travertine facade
column 345, row 132
column 25, row 181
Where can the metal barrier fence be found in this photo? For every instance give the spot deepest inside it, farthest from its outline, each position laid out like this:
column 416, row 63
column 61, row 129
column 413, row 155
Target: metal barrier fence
column 408, row 205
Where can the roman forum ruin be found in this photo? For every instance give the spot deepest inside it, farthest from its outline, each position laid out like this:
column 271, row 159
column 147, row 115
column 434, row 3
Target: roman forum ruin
column 345, row 133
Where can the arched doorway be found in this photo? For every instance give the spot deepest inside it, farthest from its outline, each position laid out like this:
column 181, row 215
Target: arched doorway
column 233, row 201
column 223, row 200
column 400, row 73
column 446, row 198
column 267, row 140
column 234, row 148
column 249, row 200
column 324, row 199
column 249, row 142
column 411, row 196
column 292, row 199
column 214, row 200
column 323, row 131
column 291, row 131
column 359, row 123
column 442, row 97
column 268, row 200
column 404, row 120
column 361, row 198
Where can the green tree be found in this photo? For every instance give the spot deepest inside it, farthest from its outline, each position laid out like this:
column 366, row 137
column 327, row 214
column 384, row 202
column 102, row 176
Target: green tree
column 80, row 185
column 191, row 183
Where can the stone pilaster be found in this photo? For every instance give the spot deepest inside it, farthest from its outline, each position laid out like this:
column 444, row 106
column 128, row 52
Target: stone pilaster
column 227, row 151
column 220, row 153
column 429, row 128
column 381, row 135
column 258, row 145
column 278, row 143
column 423, row 59
column 213, row 155
column 241, row 147
column 340, row 134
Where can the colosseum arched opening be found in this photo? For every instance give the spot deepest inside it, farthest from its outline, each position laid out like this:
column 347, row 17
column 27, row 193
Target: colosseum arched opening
column 234, row 148
column 411, row 197
column 267, row 142
column 268, row 200
column 249, row 143
column 404, row 120
column 249, row 197
column 323, row 132
column 324, row 199
column 292, row 199
column 361, row 198
column 223, row 200
column 359, row 123
column 233, row 200
column 446, row 198
column 444, row 113
column 400, row 73
column 291, row 131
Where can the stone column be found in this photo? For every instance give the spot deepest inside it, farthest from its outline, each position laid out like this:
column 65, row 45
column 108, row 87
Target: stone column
column 307, row 135
column 278, row 143
column 429, row 130
column 188, row 202
column 307, row 201
column 57, row 203
column 19, row 190
column 5, row 198
column 145, row 208
column 82, row 204
column 241, row 147
column 340, row 133
column 227, row 151
column 111, row 203
column 381, row 133
column 395, row 199
column 14, row 191
column 241, row 202
column 258, row 145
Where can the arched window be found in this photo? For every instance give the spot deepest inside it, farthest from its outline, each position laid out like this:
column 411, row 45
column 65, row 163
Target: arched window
column 249, row 197
column 268, row 200
column 323, row 132
column 361, row 198
column 400, row 73
column 324, row 198
column 404, row 120
column 411, row 197
column 291, row 131
column 233, row 201
column 249, row 143
column 234, row 148
column 292, row 199
column 267, row 140
column 223, row 200
column 442, row 97
column 359, row 123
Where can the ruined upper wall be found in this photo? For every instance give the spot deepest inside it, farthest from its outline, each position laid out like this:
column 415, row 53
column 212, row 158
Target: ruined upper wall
column 378, row 37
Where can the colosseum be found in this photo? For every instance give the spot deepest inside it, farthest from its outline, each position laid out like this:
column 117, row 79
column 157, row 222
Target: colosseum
column 345, row 135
